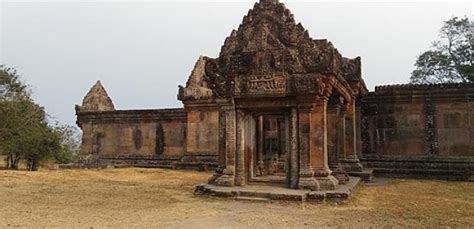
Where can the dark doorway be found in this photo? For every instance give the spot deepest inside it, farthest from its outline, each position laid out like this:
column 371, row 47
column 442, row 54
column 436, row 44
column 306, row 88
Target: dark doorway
column 271, row 155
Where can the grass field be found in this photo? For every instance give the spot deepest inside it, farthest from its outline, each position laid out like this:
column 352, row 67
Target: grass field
column 144, row 198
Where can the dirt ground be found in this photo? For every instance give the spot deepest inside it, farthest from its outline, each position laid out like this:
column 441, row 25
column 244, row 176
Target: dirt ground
column 144, row 198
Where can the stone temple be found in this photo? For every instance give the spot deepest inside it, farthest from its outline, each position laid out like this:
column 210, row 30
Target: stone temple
column 277, row 106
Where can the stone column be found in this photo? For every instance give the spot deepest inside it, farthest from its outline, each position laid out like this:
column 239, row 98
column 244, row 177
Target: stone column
column 259, row 162
column 240, row 149
column 334, row 130
column 306, row 173
column 293, row 135
column 351, row 162
column 318, row 145
column 341, row 133
column 358, row 114
column 227, row 146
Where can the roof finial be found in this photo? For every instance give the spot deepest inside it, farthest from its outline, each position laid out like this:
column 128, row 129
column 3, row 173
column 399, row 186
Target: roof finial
column 268, row 2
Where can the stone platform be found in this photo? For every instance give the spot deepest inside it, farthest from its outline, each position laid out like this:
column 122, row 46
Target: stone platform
column 276, row 193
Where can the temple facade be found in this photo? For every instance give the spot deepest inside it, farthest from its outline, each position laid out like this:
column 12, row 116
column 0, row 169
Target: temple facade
column 277, row 106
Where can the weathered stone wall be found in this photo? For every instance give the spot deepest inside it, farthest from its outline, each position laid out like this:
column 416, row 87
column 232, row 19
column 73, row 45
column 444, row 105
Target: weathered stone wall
column 419, row 128
column 202, row 131
column 145, row 132
column 150, row 138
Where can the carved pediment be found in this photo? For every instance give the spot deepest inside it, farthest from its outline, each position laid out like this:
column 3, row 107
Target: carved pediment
column 269, row 54
column 197, row 87
column 269, row 41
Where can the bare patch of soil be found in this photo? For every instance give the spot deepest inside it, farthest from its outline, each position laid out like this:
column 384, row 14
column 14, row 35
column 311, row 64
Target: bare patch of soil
column 138, row 198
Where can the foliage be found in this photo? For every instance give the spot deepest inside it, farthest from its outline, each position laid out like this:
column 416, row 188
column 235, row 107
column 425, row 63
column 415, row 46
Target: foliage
column 25, row 134
column 451, row 58
column 70, row 143
column 11, row 87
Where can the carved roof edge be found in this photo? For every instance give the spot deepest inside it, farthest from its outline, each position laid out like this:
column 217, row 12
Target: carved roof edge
column 131, row 116
column 141, row 111
column 407, row 87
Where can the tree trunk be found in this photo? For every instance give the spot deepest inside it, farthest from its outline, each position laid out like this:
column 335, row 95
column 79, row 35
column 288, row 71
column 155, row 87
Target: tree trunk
column 32, row 163
column 12, row 161
column 7, row 162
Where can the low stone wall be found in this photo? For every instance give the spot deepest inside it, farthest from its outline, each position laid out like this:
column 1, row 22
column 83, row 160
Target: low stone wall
column 133, row 132
column 424, row 131
column 148, row 138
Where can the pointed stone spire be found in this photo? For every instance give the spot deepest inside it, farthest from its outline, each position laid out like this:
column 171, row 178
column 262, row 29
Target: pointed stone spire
column 97, row 99
column 268, row 2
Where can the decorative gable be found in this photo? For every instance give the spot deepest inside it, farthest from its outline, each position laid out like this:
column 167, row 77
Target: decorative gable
column 96, row 99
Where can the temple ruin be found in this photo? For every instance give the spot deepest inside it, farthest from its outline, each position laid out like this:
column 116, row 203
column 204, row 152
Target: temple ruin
column 277, row 106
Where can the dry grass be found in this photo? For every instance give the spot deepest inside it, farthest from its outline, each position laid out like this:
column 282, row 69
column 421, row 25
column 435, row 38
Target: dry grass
column 127, row 198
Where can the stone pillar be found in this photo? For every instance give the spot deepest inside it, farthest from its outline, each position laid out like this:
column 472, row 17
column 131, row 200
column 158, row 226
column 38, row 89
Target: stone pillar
column 358, row 114
column 351, row 162
column 334, row 110
column 318, row 145
column 227, row 146
column 341, row 134
column 306, row 173
column 222, row 138
column 240, row 149
column 314, row 169
column 259, row 161
column 293, row 135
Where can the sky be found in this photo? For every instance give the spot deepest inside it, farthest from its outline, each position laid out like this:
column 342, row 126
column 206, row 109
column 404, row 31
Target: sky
column 142, row 50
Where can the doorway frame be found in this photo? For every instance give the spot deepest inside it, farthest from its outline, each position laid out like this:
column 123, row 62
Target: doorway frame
column 251, row 157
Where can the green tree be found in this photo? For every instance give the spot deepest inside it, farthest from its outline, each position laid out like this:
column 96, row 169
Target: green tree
column 450, row 59
column 25, row 134
column 70, row 143
column 11, row 88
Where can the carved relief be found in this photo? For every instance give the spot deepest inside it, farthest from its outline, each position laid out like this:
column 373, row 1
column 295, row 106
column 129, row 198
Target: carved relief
column 351, row 68
column 430, row 128
column 313, row 84
column 137, row 138
column 159, row 140
column 261, row 85
column 220, row 85
column 97, row 142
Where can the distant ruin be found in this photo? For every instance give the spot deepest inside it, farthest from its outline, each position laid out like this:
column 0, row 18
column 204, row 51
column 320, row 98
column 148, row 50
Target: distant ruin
column 278, row 106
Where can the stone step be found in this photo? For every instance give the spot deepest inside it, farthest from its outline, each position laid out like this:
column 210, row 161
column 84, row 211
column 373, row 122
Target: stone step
column 272, row 193
column 255, row 199
column 257, row 194
column 366, row 175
